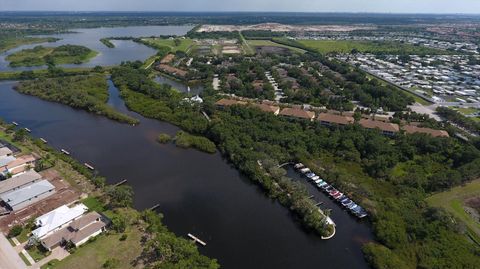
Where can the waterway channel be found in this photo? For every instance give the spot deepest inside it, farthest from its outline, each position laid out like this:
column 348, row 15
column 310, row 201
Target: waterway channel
column 198, row 193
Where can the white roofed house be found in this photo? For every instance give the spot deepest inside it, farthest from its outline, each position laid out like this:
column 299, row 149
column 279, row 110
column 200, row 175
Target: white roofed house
column 57, row 219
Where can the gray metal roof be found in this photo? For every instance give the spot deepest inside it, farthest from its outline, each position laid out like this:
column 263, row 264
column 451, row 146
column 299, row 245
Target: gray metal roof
column 6, row 160
column 26, row 193
column 19, row 181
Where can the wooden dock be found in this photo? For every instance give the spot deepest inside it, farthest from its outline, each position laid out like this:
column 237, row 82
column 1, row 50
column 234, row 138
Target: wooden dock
column 65, row 152
column 14, row 123
column 154, row 207
column 43, row 140
column 28, row 130
column 89, row 166
column 194, row 238
column 121, row 182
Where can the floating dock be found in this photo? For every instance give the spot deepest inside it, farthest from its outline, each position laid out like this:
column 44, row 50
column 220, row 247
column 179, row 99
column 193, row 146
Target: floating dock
column 14, row 123
column 43, row 140
column 89, row 166
column 194, row 238
column 28, row 130
column 65, row 152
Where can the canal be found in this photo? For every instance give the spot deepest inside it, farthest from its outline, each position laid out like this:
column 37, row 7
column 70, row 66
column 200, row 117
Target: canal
column 198, row 193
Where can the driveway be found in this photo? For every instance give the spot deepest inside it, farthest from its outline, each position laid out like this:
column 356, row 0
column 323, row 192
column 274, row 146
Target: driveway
column 8, row 256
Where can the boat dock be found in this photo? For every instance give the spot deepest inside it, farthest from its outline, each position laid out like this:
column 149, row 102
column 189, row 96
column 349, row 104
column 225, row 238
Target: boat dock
column 154, row 207
column 65, row 152
column 14, row 123
column 43, row 140
column 121, row 182
column 28, row 130
column 194, row 238
column 89, row 166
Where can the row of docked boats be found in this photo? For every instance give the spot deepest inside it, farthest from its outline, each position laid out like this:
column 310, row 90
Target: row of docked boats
column 331, row 191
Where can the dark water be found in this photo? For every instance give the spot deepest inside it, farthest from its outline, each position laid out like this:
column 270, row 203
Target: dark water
column 194, row 89
column 125, row 50
column 198, row 193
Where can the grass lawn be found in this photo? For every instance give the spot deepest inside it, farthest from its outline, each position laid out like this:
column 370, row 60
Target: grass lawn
column 38, row 253
column 467, row 111
column 185, row 44
column 346, row 46
column 262, row 43
column 93, row 255
column 93, row 204
column 453, row 202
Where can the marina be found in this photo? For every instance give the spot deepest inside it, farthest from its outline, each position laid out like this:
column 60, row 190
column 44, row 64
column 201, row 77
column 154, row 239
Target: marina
column 339, row 197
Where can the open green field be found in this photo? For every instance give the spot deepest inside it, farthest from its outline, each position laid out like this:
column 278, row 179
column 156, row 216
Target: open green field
column 415, row 97
column 67, row 54
column 94, row 254
column 184, row 45
column 453, row 202
column 375, row 47
column 268, row 43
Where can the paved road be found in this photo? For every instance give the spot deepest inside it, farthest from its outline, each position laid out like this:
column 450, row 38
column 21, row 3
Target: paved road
column 8, row 256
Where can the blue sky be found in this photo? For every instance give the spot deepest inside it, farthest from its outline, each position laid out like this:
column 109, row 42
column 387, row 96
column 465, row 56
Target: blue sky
column 387, row 6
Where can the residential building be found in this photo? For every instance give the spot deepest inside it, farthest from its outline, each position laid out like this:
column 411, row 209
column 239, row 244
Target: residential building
column 4, row 152
column 19, row 181
column 222, row 103
column 411, row 129
column 27, row 195
column 386, row 128
column 268, row 108
column 78, row 231
column 57, row 219
column 332, row 119
column 297, row 113
column 18, row 165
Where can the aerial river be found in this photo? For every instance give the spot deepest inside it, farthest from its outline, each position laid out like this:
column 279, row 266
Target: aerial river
column 198, row 193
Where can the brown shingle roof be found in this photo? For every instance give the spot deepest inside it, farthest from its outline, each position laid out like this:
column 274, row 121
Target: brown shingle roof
column 410, row 129
column 297, row 113
column 383, row 126
column 267, row 108
column 229, row 102
column 336, row 119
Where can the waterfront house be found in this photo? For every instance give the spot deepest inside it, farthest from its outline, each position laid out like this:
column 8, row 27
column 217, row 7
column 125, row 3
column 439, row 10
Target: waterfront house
column 77, row 232
column 57, row 219
column 297, row 113
column 28, row 195
column 386, row 128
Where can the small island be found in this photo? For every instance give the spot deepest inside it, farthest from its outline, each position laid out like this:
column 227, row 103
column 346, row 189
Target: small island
column 39, row 55
column 107, row 43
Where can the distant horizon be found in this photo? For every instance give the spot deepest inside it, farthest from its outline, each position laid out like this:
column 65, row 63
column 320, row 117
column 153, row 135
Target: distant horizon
column 232, row 11
column 447, row 7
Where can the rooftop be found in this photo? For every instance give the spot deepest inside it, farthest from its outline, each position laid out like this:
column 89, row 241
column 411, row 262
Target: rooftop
column 410, row 129
column 5, row 151
column 56, row 218
column 26, row 193
column 18, row 181
column 384, row 126
column 337, row 119
column 297, row 113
